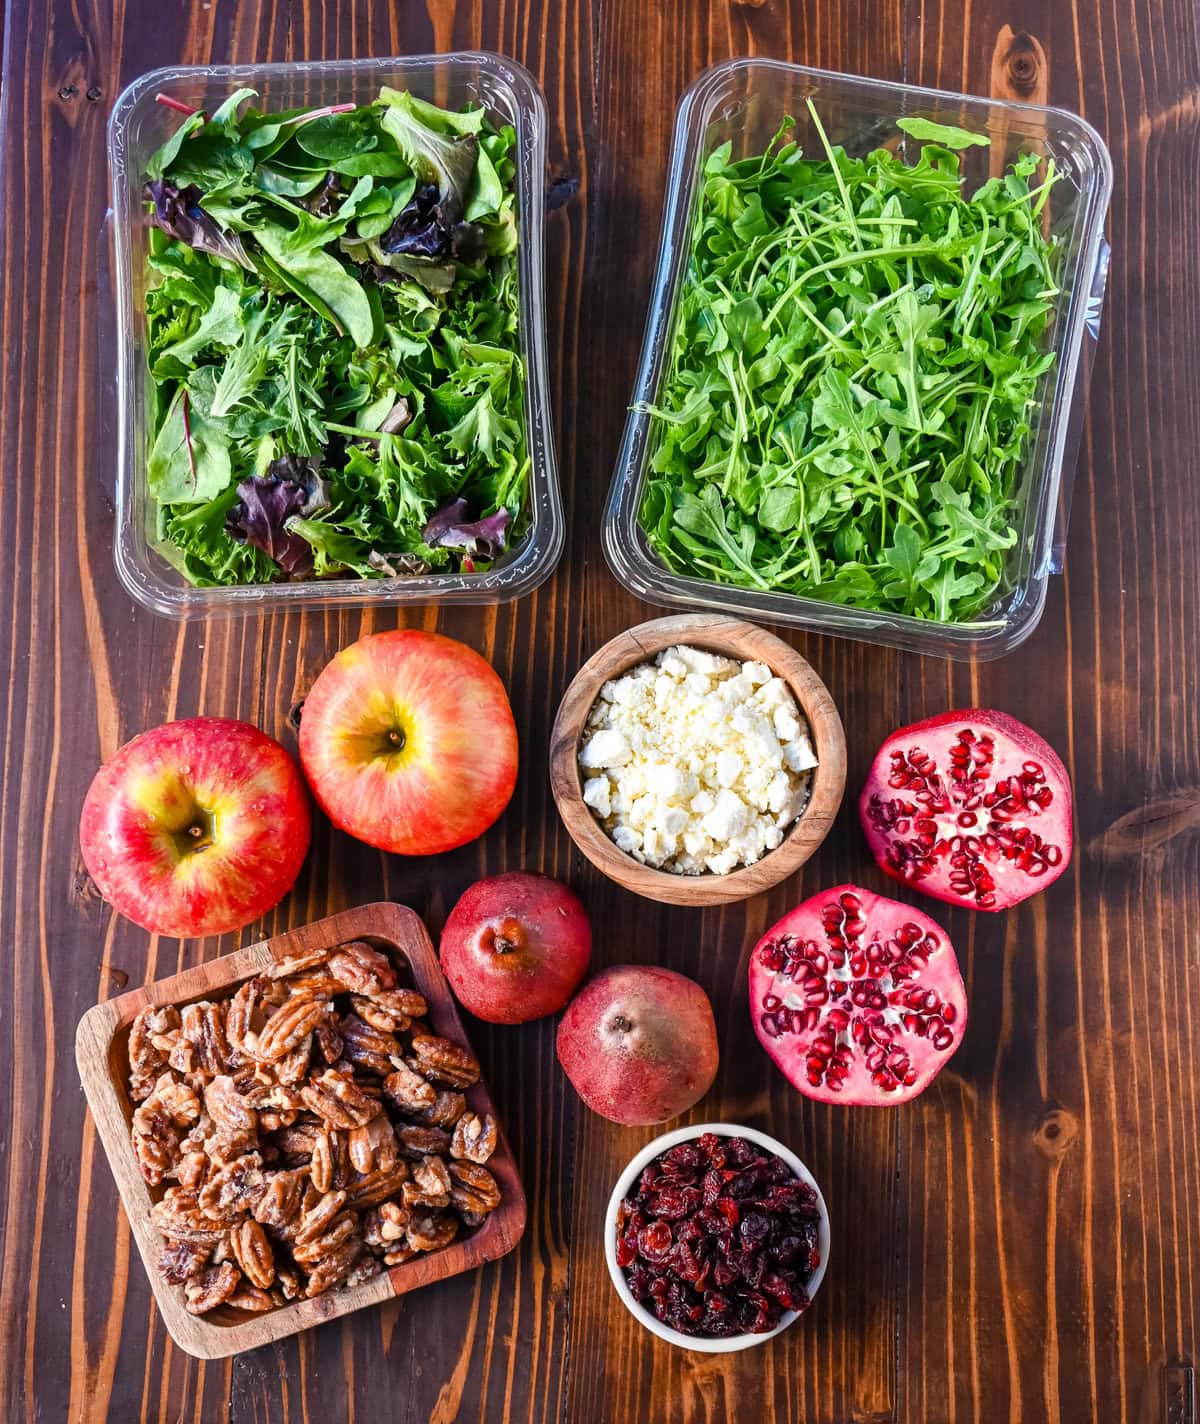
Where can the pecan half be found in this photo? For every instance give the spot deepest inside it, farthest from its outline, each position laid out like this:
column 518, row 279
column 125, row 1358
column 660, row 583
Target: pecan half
column 430, row 1184
column 178, row 1218
column 393, row 1010
column 362, row 969
column 408, row 1089
column 474, row 1137
column 339, row 1101
column 385, row 1223
column 180, row 1259
column 202, row 1027
column 474, row 1189
column 430, row 1231
column 318, row 1216
column 445, row 1110
column 329, row 1041
column 227, row 1108
column 146, row 1056
column 368, row 1047
column 279, row 1205
column 291, row 1283
column 373, row 1146
column 364, row 1269
column 297, row 963
column 210, row 1288
column 311, row 1253
column 423, row 1141
column 242, row 1016
column 232, row 1191
column 252, row 1251
column 375, row 1187
column 332, row 1268
column 250, row 1298
column 292, row 1068
column 289, row 1026
column 449, row 1064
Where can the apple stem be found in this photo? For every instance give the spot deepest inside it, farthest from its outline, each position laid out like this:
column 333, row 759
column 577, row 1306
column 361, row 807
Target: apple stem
column 196, row 831
column 621, row 1024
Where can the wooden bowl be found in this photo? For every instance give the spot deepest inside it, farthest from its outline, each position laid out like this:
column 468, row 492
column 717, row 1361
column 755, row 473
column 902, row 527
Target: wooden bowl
column 734, row 639
column 101, row 1052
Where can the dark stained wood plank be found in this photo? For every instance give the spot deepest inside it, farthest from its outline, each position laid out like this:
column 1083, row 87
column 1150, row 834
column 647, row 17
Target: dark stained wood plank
column 1054, row 1274
column 1022, row 1244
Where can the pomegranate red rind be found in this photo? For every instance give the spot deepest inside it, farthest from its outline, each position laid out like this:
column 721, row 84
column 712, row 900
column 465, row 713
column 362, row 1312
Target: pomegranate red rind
column 971, row 807
column 858, row 999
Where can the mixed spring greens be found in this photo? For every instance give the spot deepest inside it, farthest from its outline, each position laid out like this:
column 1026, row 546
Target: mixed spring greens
column 851, row 388
column 332, row 335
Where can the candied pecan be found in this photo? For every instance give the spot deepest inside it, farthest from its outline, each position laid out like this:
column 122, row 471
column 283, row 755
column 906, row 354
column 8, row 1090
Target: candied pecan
column 180, row 1259
column 228, row 1108
column 430, row 1184
column 310, row 1253
column 362, row 969
column 421, row 1141
column 291, row 1283
column 375, row 1187
column 474, row 1137
column 289, row 1026
column 445, row 1110
column 373, row 1146
column 408, row 1089
column 430, row 1230
column 319, row 984
column 400, row 1253
column 203, row 1028
column 243, row 1016
column 224, row 1147
column 297, row 963
column 210, row 1288
column 252, row 1252
column 272, row 1119
column 279, row 1205
column 331, row 1269
column 178, row 1218
column 231, row 1192
column 339, row 1101
column 393, row 1010
column 146, row 1057
column 318, row 1215
column 363, row 1270
column 155, row 1142
column 368, row 1047
column 385, row 1223
column 328, row 1162
column 474, row 1189
column 189, row 1169
column 250, row 1298
column 444, row 1062
column 329, row 1041
column 297, row 1143
column 292, row 1068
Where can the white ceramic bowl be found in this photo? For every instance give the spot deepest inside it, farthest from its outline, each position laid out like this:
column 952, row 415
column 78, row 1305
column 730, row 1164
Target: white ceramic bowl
column 707, row 1344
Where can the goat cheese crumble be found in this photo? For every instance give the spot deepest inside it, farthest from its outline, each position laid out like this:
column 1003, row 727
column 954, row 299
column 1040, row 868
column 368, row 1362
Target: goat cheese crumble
column 696, row 763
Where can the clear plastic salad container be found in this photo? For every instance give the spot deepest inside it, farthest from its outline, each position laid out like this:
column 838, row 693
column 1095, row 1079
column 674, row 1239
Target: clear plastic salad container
column 743, row 101
column 138, row 126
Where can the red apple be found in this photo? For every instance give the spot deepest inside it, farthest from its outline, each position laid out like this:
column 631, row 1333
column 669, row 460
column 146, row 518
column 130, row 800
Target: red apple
column 515, row 947
column 639, row 1044
column 408, row 741
column 196, row 827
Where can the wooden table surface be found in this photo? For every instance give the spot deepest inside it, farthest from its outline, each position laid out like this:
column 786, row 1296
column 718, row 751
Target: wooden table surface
column 1021, row 1244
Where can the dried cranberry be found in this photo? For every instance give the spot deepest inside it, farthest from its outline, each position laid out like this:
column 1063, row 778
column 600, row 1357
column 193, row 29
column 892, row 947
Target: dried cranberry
column 626, row 1253
column 755, row 1229
column 654, row 1242
column 729, row 1210
column 676, row 1202
column 685, row 1154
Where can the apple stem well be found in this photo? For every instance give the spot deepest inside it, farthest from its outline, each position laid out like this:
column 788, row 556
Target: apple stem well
column 507, row 939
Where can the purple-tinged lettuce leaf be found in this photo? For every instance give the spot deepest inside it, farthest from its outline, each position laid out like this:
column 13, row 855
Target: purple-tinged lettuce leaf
column 178, row 212
column 292, row 486
column 450, row 528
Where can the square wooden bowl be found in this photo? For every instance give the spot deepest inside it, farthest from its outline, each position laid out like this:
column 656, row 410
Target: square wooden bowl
column 101, row 1051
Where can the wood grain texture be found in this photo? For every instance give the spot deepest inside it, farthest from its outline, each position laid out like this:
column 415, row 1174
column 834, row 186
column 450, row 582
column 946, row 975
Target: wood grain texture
column 102, row 1057
column 732, row 638
column 1023, row 1243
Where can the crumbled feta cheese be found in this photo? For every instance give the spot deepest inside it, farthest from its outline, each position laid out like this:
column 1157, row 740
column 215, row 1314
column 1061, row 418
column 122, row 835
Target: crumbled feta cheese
column 696, row 763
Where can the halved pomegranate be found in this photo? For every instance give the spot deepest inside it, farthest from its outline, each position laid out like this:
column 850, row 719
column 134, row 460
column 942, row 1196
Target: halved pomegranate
column 858, row 999
column 971, row 807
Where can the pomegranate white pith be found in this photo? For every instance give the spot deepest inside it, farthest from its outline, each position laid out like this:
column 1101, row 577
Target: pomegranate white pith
column 858, row 999
column 971, row 807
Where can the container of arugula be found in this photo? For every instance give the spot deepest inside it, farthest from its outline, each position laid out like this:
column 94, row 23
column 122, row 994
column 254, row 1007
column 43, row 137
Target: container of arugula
column 860, row 379
column 331, row 360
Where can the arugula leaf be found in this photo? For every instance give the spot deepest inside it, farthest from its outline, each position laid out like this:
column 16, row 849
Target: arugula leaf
column 945, row 134
column 858, row 352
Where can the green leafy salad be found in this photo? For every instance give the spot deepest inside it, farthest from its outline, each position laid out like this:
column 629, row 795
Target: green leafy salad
column 856, row 360
column 333, row 339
